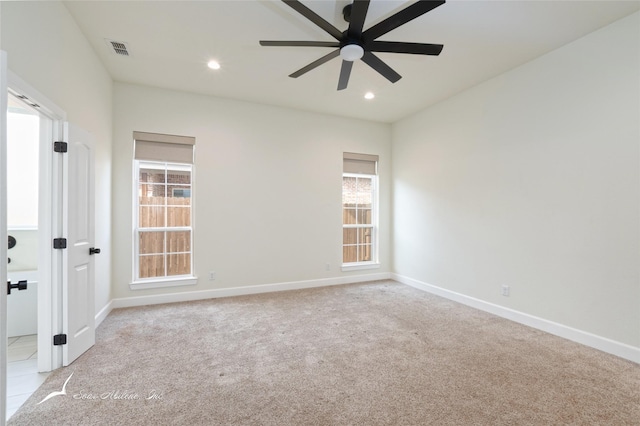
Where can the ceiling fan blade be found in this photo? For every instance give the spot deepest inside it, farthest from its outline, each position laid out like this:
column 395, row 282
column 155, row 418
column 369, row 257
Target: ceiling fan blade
column 314, row 17
column 315, row 63
column 345, row 72
column 385, row 70
column 400, row 18
column 300, row 43
column 356, row 21
column 402, row 47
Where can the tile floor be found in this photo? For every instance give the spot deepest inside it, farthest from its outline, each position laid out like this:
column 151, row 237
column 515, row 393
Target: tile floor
column 22, row 371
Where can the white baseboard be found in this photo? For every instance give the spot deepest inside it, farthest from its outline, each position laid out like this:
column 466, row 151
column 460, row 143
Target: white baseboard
column 604, row 344
column 241, row 291
column 104, row 312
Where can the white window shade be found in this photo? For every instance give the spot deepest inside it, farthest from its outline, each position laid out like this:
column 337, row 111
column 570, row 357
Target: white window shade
column 364, row 164
column 166, row 148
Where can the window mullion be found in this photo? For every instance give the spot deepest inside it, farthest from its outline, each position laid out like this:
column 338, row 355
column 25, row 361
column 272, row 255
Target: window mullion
column 173, row 228
column 166, row 220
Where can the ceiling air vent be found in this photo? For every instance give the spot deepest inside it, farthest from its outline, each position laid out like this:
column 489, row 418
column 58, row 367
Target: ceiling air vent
column 118, row 47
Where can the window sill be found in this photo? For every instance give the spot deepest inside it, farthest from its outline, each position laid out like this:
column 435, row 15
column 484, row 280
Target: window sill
column 163, row 282
column 360, row 266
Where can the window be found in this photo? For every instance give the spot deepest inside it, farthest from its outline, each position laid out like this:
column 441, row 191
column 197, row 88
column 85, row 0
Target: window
column 359, row 210
column 163, row 210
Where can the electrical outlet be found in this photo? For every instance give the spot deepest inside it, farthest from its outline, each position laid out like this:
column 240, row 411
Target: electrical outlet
column 505, row 290
column 327, row 267
column 212, row 275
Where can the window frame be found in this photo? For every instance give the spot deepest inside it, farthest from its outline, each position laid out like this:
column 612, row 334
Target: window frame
column 166, row 280
column 374, row 226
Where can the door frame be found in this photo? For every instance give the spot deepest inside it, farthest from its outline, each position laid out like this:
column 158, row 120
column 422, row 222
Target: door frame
column 50, row 225
column 3, row 234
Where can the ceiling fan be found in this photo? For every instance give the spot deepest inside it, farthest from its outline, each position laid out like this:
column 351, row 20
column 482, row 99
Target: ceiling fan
column 354, row 43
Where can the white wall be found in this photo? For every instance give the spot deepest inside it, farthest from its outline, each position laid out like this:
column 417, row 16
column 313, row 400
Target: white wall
column 532, row 180
column 46, row 49
column 267, row 186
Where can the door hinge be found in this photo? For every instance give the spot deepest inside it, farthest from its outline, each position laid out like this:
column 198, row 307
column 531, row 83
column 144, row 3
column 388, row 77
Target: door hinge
column 59, row 243
column 59, row 339
column 59, row 146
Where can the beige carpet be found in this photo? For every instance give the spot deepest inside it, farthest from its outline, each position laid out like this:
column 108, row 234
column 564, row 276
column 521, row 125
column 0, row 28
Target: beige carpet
column 367, row 354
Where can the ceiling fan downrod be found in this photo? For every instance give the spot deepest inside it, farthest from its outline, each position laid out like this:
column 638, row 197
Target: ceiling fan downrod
column 346, row 12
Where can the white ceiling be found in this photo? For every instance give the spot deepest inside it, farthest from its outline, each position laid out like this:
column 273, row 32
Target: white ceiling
column 171, row 41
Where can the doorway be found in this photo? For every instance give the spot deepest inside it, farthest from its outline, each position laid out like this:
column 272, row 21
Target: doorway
column 65, row 302
column 28, row 131
column 65, row 230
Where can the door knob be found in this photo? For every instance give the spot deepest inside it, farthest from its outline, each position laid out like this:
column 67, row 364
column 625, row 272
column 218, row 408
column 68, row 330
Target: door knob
column 94, row 250
column 22, row 285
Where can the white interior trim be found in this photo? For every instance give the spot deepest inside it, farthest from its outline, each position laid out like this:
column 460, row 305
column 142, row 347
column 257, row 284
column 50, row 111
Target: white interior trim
column 359, row 266
column 49, row 302
column 103, row 313
column 588, row 339
column 622, row 350
column 241, row 291
column 163, row 282
column 3, row 235
column 47, row 107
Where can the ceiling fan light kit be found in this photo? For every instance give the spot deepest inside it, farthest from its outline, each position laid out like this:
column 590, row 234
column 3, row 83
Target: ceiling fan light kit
column 351, row 52
column 356, row 43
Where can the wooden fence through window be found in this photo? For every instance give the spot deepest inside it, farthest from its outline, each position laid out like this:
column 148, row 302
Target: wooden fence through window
column 356, row 242
column 151, row 247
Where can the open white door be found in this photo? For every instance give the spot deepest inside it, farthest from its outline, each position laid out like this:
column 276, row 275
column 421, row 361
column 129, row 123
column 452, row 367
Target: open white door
column 78, row 310
column 3, row 235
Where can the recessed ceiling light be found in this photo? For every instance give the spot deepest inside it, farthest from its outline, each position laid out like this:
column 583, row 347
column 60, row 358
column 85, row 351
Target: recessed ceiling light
column 214, row 65
column 369, row 95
